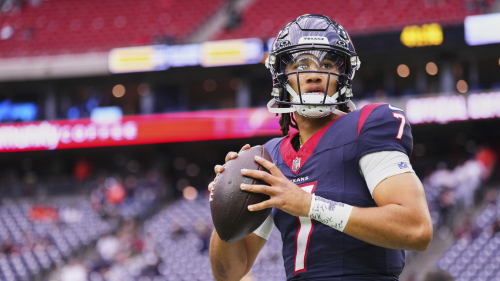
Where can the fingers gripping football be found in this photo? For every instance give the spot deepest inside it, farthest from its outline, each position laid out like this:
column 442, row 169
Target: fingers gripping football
column 270, row 166
column 284, row 194
column 231, row 155
column 220, row 168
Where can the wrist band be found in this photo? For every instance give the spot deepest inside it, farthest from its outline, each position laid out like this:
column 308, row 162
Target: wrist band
column 332, row 213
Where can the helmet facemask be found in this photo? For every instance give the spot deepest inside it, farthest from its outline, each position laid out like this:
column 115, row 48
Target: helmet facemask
column 313, row 78
column 312, row 82
column 323, row 40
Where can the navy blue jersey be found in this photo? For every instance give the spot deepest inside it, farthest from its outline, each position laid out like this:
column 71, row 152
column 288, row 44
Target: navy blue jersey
column 328, row 165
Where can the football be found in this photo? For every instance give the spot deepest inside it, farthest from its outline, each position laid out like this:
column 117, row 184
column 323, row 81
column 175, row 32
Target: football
column 228, row 203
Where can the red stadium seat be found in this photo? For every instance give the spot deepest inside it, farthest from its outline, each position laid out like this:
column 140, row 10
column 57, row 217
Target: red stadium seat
column 358, row 17
column 67, row 26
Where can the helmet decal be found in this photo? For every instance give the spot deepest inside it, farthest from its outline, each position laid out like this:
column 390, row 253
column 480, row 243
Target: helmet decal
column 313, row 39
column 282, row 44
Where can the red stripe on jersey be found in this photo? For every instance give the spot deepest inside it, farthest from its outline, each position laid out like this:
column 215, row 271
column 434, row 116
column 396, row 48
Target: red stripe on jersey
column 365, row 112
column 289, row 154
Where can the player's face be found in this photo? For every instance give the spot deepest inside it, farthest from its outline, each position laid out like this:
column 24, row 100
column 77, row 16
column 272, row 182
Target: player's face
column 313, row 82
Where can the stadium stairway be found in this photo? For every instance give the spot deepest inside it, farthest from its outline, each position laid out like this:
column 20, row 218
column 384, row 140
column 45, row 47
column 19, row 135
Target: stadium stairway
column 217, row 21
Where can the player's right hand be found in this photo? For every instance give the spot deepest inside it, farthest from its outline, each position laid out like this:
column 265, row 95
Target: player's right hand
column 219, row 168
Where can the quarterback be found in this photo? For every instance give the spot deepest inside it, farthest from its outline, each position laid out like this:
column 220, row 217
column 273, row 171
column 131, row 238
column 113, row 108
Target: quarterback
column 344, row 195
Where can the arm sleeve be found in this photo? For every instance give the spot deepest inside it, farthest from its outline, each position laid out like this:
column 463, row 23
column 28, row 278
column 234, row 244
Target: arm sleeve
column 266, row 228
column 378, row 166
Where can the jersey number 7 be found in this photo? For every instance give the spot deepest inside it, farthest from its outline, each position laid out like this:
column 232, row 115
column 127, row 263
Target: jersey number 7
column 402, row 125
column 303, row 234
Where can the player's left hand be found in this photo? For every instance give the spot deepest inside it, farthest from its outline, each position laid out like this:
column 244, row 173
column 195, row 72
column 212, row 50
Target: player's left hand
column 284, row 194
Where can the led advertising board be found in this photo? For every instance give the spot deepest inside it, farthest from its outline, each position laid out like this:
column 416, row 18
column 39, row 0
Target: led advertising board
column 232, row 52
column 421, row 36
column 213, row 125
column 207, row 54
column 152, row 58
column 144, row 129
column 482, row 29
column 443, row 109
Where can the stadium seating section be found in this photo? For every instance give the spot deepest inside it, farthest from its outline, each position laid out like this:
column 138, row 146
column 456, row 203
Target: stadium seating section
column 24, row 226
column 95, row 26
column 67, row 26
column 355, row 16
column 476, row 259
column 181, row 256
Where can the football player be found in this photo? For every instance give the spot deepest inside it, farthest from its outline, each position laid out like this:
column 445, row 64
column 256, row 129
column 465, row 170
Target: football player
column 344, row 195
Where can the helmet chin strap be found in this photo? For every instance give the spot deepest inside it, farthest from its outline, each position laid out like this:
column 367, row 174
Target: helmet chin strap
column 309, row 111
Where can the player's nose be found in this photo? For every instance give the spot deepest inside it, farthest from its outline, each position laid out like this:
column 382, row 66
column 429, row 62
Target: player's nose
column 313, row 77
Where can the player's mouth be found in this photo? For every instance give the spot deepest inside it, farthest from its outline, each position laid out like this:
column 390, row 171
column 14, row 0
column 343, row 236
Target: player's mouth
column 314, row 90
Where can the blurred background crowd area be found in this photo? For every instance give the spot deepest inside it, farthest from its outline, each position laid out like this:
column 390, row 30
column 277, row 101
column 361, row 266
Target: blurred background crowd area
column 109, row 210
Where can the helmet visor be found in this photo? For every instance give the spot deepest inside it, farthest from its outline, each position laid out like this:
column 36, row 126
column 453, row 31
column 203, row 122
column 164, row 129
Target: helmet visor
column 313, row 60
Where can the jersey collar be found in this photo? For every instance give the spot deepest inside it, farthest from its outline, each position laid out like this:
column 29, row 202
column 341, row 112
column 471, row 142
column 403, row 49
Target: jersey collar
column 295, row 160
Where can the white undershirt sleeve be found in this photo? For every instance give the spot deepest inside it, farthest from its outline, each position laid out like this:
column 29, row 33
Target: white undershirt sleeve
column 266, row 228
column 380, row 165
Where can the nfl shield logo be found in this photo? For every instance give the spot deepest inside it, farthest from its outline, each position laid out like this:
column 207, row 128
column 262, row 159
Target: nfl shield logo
column 403, row 165
column 296, row 164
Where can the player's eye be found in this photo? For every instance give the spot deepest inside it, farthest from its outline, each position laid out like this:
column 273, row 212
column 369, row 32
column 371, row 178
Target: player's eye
column 300, row 66
column 327, row 65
